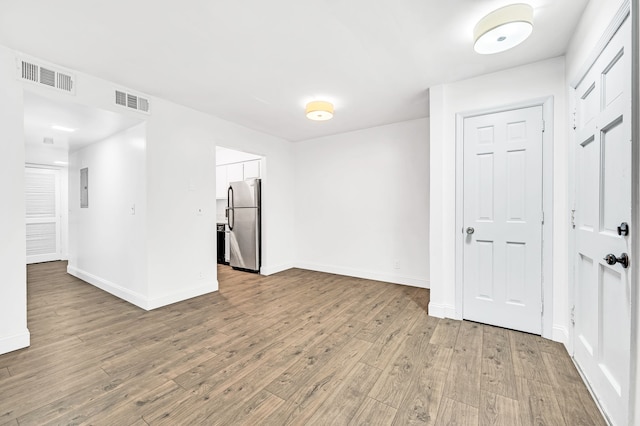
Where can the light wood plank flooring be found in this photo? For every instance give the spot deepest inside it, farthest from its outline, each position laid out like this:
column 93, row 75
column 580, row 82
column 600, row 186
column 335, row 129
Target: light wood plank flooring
column 297, row 347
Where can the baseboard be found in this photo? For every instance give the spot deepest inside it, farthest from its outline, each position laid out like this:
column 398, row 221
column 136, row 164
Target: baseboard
column 179, row 296
column 270, row 270
column 123, row 293
column 442, row 310
column 138, row 299
column 560, row 333
column 14, row 342
column 369, row 275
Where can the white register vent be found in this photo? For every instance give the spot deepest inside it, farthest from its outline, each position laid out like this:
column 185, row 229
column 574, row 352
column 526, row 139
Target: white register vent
column 46, row 75
column 129, row 100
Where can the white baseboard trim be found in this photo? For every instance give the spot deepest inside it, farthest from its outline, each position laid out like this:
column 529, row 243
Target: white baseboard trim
column 123, row 293
column 270, row 270
column 179, row 296
column 14, row 342
column 560, row 333
column 368, row 275
column 138, row 299
column 442, row 310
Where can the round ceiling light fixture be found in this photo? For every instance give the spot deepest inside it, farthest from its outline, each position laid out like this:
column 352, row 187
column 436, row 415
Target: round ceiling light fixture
column 319, row 110
column 503, row 29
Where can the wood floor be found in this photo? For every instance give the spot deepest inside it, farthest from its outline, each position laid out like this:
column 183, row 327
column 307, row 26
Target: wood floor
column 297, row 347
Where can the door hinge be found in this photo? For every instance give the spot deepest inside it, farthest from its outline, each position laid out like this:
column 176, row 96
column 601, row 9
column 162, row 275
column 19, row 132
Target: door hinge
column 543, row 126
column 573, row 315
column 542, row 220
column 573, row 218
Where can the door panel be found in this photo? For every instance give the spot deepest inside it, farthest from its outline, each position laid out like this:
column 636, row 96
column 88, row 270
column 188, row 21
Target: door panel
column 602, row 202
column 485, row 270
column 616, row 182
column 484, row 190
column 42, row 211
column 502, row 184
column 516, row 268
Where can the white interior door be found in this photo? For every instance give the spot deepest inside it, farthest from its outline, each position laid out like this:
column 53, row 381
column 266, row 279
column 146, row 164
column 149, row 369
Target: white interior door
column 602, row 293
column 502, row 253
column 42, row 196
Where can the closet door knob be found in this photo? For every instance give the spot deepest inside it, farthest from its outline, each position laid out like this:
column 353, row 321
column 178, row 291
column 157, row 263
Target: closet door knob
column 623, row 260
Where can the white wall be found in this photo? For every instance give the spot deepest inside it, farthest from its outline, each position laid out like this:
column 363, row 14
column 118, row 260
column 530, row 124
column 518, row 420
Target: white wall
column 534, row 81
column 180, row 179
column 362, row 202
column 107, row 239
column 593, row 23
column 13, row 290
column 51, row 157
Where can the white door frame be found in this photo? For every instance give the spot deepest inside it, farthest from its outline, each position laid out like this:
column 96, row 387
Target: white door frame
column 617, row 21
column 547, row 205
column 634, row 387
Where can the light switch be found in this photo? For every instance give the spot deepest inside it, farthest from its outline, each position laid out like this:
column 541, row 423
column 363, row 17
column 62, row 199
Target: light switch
column 133, row 209
column 199, row 211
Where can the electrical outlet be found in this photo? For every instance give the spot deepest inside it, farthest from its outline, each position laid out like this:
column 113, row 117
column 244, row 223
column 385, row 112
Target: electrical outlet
column 200, row 275
column 396, row 264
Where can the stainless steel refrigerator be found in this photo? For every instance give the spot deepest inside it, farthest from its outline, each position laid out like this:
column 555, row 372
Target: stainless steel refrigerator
column 243, row 215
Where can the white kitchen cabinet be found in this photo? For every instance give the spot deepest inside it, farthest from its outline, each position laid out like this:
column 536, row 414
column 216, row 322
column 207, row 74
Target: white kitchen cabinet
column 221, row 182
column 252, row 169
column 233, row 173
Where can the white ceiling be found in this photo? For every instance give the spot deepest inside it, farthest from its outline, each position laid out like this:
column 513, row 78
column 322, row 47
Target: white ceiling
column 90, row 124
column 257, row 62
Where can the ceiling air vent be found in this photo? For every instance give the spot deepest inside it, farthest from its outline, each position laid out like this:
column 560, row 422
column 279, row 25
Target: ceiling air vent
column 132, row 101
column 121, row 98
column 46, row 76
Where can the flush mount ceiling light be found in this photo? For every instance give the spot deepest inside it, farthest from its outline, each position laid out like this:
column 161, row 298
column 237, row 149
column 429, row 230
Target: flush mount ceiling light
column 319, row 110
column 503, row 29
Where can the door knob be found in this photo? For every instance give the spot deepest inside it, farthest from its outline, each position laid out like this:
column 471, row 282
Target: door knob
column 623, row 229
column 611, row 259
column 470, row 230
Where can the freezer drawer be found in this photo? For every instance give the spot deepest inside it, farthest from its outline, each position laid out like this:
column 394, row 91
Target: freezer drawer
column 244, row 244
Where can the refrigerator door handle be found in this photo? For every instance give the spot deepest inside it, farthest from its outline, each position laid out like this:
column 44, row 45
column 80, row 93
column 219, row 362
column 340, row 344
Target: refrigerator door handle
column 230, row 215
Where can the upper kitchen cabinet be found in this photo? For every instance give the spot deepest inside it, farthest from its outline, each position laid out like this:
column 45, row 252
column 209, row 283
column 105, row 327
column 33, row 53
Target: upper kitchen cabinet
column 221, row 182
column 233, row 173
column 251, row 169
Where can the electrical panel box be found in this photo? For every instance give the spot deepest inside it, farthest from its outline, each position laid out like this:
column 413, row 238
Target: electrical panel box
column 84, row 188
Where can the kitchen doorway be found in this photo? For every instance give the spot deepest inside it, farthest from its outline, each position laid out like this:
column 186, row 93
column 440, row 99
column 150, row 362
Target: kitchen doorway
column 239, row 184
